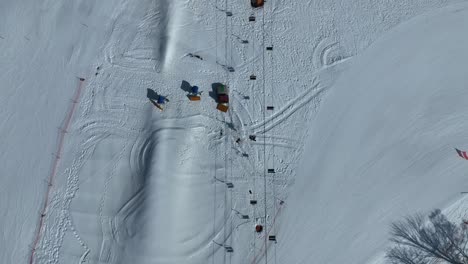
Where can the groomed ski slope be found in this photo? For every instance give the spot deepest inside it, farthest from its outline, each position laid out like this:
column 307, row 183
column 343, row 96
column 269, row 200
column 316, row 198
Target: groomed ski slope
column 45, row 46
column 383, row 144
column 126, row 183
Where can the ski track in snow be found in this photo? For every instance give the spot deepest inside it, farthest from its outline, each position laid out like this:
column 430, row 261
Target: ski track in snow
column 51, row 179
column 119, row 143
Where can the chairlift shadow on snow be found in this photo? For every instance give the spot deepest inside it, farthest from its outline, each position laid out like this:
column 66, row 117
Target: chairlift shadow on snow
column 186, row 87
column 212, row 93
column 226, row 67
column 230, row 125
column 241, row 40
column 151, row 94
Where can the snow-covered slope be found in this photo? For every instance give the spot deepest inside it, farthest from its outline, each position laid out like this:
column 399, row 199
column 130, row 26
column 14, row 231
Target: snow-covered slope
column 126, row 183
column 45, row 46
column 383, row 143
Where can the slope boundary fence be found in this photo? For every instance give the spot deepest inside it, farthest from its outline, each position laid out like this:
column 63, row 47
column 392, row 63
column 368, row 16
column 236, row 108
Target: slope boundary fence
column 57, row 155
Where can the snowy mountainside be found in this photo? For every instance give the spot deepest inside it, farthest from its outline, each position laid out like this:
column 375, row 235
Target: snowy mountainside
column 386, row 136
column 125, row 182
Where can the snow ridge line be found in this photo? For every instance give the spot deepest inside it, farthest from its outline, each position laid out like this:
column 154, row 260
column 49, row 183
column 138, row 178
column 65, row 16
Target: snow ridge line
column 62, row 132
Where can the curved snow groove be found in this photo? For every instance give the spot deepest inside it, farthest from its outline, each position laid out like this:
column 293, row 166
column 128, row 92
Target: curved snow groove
column 83, row 257
column 113, row 126
column 107, row 181
column 106, row 249
column 324, row 56
column 320, row 56
column 122, row 225
column 140, row 155
column 96, row 119
column 120, row 231
column 99, row 133
column 327, row 53
column 93, row 140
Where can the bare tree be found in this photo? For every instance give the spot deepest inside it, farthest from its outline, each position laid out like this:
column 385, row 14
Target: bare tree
column 438, row 240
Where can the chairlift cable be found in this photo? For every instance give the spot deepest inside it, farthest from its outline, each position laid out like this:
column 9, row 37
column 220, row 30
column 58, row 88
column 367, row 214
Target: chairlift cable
column 272, row 83
column 230, row 142
column 216, row 146
column 264, row 139
column 253, row 97
column 226, row 132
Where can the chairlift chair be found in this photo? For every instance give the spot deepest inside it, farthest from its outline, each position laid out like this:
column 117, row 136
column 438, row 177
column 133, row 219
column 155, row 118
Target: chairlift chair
column 257, row 3
column 258, row 228
column 229, row 249
column 194, row 94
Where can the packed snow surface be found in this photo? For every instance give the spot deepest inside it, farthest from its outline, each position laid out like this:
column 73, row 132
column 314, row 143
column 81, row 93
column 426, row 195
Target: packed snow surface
column 369, row 102
column 383, row 143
